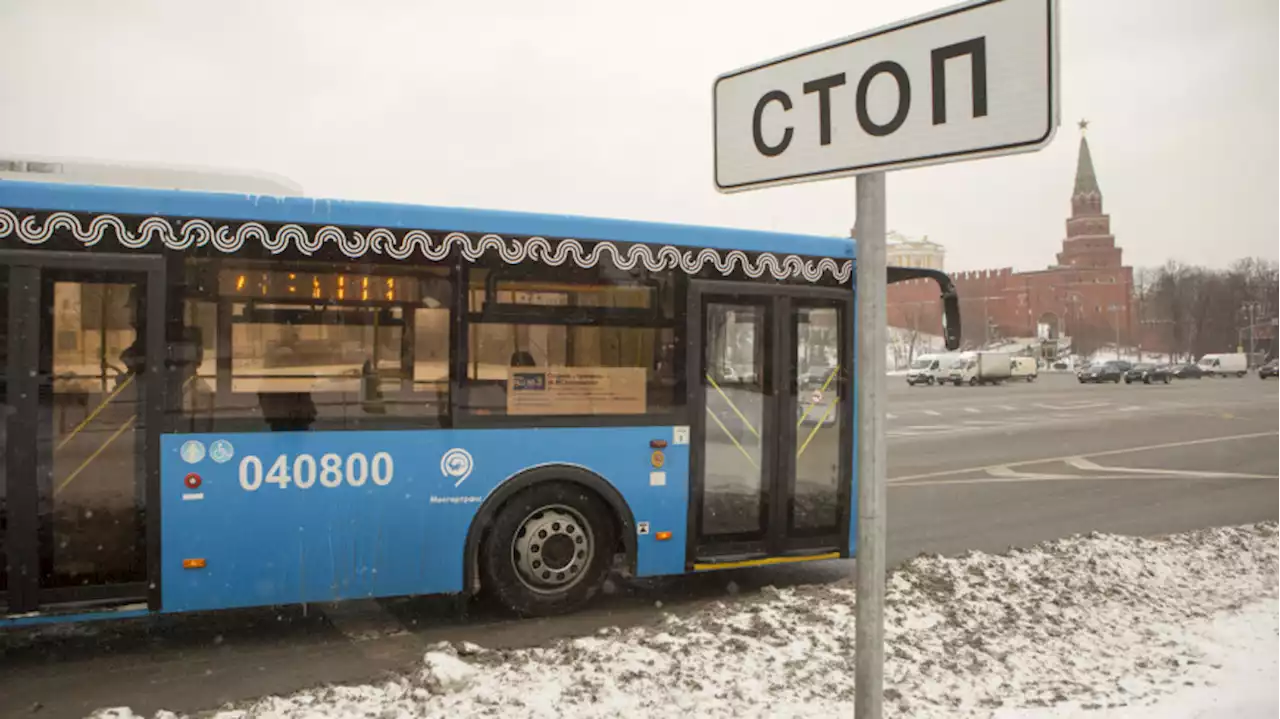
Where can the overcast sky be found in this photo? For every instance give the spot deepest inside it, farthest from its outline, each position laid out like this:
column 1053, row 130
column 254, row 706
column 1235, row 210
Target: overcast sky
column 601, row 108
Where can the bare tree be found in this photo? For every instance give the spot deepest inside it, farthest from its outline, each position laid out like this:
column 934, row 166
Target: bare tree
column 1201, row 308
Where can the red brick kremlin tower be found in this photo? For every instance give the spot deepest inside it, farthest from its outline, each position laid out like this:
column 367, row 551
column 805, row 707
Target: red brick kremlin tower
column 1085, row 295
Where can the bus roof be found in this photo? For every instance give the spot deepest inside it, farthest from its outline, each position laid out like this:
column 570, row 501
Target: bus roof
column 16, row 194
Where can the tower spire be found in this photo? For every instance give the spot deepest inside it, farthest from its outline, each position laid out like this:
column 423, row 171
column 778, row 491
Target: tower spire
column 1086, row 179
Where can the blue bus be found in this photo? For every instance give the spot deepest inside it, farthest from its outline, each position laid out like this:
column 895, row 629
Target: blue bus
column 216, row 400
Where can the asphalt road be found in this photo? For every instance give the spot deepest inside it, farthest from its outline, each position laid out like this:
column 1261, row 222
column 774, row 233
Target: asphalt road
column 970, row 468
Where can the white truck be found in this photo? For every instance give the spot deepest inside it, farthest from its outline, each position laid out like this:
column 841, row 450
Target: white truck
column 981, row 368
column 1225, row 365
column 929, row 369
column 1025, row 368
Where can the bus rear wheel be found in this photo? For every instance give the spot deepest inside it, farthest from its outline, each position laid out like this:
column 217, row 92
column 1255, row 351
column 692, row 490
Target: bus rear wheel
column 549, row 550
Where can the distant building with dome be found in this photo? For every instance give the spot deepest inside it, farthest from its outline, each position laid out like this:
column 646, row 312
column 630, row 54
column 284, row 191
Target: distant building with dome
column 903, row 251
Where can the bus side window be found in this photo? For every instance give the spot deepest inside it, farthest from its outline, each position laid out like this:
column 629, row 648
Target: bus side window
column 309, row 345
column 616, row 327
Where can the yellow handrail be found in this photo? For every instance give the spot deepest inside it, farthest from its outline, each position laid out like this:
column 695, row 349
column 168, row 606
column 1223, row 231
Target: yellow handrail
column 101, row 406
column 115, row 435
column 62, row 485
column 817, row 426
column 733, row 407
column 733, row 439
column 809, row 409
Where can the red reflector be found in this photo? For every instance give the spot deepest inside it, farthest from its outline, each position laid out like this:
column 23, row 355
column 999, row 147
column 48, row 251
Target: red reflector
column 192, row 481
column 657, row 443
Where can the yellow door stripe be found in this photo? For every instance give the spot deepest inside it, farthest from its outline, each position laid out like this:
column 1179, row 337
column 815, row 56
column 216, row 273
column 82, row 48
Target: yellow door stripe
column 763, row 562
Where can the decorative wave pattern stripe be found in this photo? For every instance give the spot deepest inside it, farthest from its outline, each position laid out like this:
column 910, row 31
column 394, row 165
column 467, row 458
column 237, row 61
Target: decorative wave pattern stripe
column 182, row 234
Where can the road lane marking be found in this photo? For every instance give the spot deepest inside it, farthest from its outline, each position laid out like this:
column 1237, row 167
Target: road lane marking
column 973, row 410
column 1064, row 458
column 1088, row 466
column 891, row 416
column 1007, row 407
column 1007, row 472
column 1075, row 406
column 932, row 412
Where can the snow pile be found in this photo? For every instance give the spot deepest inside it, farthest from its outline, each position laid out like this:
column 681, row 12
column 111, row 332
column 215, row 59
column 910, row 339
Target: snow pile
column 1081, row 623
column 1240, row 665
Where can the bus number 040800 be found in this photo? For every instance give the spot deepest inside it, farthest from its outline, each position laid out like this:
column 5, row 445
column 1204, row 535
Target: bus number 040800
column 331, row 471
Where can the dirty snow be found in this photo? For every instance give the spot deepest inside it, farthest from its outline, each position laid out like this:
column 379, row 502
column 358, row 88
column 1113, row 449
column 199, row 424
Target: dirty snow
column 1090, row 626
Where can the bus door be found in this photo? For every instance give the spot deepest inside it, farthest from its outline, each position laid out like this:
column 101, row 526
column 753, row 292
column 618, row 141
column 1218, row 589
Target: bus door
column 771, row 428
column 80, row 418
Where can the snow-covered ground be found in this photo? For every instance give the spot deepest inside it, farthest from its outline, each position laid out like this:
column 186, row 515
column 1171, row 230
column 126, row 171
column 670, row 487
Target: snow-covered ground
column 1103, row 625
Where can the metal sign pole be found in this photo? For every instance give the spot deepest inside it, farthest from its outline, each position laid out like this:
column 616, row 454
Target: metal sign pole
column 871, row 398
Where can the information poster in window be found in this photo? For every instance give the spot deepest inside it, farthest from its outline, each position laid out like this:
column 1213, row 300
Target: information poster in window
column 576, row 390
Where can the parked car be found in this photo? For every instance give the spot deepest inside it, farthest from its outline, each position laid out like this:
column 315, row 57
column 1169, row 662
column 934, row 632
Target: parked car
column 1146, row 373
column 1187, row 371
column 1268, row 370
column 1112, row 371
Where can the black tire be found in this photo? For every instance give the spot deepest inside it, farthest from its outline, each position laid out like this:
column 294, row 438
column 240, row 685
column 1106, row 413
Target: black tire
column 1146, row 380
column 973, row 381
column 1128, row 381
column 1166, row 379
column 928, row 381
column 505, row 583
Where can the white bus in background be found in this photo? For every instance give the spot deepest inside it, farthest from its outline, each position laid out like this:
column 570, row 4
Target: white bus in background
column 1225, row 365
column 156, row 177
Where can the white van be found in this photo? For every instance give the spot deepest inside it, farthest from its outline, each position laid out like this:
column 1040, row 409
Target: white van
column 928, row 369
column 1224, row 365
column 1024, row 368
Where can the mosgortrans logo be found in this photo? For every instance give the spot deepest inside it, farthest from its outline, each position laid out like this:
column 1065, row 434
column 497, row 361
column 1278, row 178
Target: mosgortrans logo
column 457, row 464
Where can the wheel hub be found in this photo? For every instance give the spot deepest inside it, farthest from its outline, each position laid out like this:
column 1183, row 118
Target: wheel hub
column 552, row 549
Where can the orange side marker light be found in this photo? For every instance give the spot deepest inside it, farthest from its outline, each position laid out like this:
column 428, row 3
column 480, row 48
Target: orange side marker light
column 193, row 563
column 662, row 536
